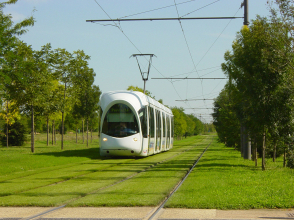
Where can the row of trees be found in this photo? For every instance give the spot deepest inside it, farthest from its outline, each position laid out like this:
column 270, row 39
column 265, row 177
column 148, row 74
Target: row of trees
column 39, row 86
column 186, row 124
column 259, row 95
column 47, row 83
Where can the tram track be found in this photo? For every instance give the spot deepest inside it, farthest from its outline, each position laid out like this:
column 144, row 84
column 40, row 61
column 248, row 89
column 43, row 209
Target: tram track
column 135, row 174
column 97, row 170
column 155, row 212
column 132, row 176
column 151, row 214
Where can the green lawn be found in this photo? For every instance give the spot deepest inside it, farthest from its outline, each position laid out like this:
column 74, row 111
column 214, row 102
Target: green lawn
column 148, row 188
column 20, row 159
column 223, row 180
column 53, row 177
column 78, row 176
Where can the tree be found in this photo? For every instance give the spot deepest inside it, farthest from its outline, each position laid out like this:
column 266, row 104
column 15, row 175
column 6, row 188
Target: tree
column 261, row 75
column 180, row 124
column 225, row 120
column 87, row 106
column 87, row 94
column 64, row 71
column 138, row 89
column 53, row 93
column 10, row 114
column 9, row 40
column 28, row 89
column 8, row 43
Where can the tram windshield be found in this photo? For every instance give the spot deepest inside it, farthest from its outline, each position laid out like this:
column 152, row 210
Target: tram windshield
column 120, row 121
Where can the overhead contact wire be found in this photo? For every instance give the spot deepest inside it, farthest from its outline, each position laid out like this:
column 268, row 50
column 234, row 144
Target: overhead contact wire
column 188, row 50
column 158, row 8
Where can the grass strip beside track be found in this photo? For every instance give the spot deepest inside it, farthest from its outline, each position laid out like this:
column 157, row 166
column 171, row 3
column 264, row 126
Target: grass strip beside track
column 148, row 188
column 17, row 185
column 57, row 186
column 223, row 180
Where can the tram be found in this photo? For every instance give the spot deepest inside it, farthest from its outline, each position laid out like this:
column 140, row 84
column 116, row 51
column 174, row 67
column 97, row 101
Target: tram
column 133, row 124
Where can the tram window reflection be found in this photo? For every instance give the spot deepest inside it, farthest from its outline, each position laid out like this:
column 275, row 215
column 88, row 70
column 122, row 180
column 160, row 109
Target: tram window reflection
column 120, row 121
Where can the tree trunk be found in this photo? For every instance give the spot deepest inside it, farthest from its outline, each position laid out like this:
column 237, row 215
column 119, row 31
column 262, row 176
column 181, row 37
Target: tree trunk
column 7, row 124
column 87, row 134
column 275, row 153
column 241, row 139
column 32, row 130
column 76, row 135
column 91, row 136
column 52, row 131
column 62, row 123
column 47, row 131
column 284, row 163
column 62, row 130
column 83, row 132
column 263, row 151
column 54, row 134
column 256, row 155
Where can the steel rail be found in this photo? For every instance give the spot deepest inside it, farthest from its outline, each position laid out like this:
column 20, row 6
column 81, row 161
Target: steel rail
column 105, row 187
column 178, row 186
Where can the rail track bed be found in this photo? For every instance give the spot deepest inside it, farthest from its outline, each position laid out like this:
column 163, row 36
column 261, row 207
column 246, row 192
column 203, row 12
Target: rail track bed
column 108, row 182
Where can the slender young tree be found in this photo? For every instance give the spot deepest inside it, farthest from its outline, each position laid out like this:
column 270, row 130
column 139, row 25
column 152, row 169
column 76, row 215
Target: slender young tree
column 261, row 74
column 64, row 71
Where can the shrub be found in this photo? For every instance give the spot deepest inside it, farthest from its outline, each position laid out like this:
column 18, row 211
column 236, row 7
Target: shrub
column 16, row 134
column 290, row 159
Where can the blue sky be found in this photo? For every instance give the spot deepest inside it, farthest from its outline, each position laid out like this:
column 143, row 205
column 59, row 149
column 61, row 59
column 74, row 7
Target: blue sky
column 178, row 49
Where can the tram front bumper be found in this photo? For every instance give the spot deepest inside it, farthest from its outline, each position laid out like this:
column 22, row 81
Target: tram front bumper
column 126, row 146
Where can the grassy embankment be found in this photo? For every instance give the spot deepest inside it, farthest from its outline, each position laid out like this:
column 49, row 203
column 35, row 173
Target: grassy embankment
column 223, row 180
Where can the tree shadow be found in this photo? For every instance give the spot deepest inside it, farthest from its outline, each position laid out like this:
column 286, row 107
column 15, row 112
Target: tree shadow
column 91, row 153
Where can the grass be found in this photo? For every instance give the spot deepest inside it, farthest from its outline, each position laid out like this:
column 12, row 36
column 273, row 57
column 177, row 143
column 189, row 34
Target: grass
column 20, row 159
column 148, row 188
column 52, row 184
column 223, row 180
column 78, row 176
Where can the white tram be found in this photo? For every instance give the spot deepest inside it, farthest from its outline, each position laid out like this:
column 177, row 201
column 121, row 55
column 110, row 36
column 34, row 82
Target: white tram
column 133, row 124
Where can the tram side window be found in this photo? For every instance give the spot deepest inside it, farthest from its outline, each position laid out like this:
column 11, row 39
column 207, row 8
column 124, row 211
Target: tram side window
column 143, row 119
column 163, row 124
column 168, row 125
column 158, row 120
column 151, row 122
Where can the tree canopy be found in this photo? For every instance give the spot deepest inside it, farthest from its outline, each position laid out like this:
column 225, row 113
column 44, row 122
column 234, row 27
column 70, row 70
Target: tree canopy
column 259, row 93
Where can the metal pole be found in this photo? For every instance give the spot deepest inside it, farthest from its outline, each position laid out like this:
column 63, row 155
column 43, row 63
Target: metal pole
column 144, row 78
column 246, row 22
column 144, row 86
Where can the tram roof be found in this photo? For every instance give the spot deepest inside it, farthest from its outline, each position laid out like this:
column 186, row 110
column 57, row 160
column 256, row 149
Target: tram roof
column 136, row 99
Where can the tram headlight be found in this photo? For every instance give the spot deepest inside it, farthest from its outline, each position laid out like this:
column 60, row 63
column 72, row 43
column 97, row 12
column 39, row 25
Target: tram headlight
column 104, row 139
column 135, row 139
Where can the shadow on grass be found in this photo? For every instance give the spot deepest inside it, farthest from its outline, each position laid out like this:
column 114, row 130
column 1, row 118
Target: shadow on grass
column 91, row 153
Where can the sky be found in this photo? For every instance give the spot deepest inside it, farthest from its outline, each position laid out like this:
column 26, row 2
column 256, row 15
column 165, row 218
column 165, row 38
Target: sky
column 190, row 48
